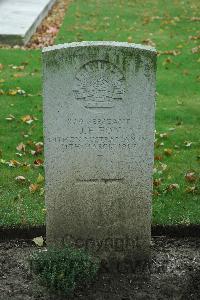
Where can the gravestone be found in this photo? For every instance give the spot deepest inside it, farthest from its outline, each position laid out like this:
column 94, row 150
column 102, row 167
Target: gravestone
column 19, row 19
column 99, row 146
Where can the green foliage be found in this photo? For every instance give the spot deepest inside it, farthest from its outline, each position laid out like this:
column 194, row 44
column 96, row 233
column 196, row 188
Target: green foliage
column 64, row 269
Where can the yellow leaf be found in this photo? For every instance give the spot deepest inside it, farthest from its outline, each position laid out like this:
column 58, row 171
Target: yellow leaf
column 40, row 178
column 12, row 92
column 130, row 39
column 27, row 119
column 39, row 241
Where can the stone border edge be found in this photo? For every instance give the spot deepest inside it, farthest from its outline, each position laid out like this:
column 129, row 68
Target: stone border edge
column 100, row 44
column 28, row 233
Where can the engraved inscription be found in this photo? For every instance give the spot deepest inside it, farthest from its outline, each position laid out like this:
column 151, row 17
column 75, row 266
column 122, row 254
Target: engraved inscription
column 99, row 85
column 98, row 134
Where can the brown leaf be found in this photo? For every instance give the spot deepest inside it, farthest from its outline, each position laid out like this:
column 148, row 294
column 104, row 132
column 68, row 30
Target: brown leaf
column 38, row 148
column 21, row 147
column 195, row 19
column 190, row 176
column 158, row 157
column 194, row 38
column 157, row 182
column 19, row 75
column 27, row 119
column 17, row 67
column 170, row 52
column 173, row 186
column 1, row 67
column 149, row 42
column 168, row 151
column 191, row 189
column 196, row 50
column 38, row 162
column 13, row 163
column 33, row 187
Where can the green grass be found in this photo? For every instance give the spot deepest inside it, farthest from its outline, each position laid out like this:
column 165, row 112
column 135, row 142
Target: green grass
column 18, row 205
column 167, row 24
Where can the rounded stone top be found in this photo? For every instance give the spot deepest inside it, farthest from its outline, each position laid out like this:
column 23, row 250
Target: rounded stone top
column 100, row 44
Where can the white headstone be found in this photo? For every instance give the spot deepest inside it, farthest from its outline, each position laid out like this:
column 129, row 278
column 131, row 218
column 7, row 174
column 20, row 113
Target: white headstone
column 99, row 146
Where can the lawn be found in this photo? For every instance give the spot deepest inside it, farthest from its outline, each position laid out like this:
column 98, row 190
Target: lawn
column 173, row 27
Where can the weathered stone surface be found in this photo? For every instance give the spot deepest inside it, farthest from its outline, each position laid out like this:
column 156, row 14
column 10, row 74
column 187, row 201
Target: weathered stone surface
column 99, row 141
column 20, row 18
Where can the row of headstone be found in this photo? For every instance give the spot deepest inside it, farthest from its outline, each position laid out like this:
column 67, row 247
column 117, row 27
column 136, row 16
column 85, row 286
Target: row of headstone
column 99, row 146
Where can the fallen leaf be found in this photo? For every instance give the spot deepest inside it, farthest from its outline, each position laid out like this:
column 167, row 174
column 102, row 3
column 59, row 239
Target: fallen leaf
column 173, row 186
column 190, row 176
column 194, row 37
column 39, row 241
column 38, row 162
column 191, row 189
column 18, row 154
column 13, row 163
column 195, row 19
column 163, row 135
column 52, row 29
column 148, row 42
column 170, row 52
column 12, row 92
column 19, row 75
column 130, row 39
column 10, row 118
column 40, row 178
column 33, row 152
column 38, row 148
column 16, row 91
column 196, row 50
column 33, row 187
column 168, row 151
column 17, row 67
column 188, row 143
column 1, row 67
column 21, row 147
column 42, row 193
column 157, row 182
column 27, row 119
column 20, row 178
column 163, row 166
column 158, row 157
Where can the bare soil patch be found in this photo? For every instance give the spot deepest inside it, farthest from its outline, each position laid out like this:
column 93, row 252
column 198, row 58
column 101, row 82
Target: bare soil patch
column 173, row 274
